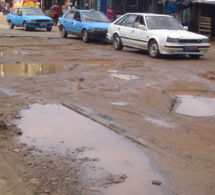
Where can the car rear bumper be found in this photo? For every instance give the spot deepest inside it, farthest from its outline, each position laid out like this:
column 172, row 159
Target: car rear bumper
column 97, row 35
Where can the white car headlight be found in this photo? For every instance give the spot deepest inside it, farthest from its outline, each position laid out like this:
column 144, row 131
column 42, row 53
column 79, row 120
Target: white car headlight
column 32, row 20
column 205, row 40
column 172, row 40
column 92, row 29
column 51, row 20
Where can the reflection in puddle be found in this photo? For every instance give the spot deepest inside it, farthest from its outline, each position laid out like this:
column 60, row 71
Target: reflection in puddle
column 24, row 69
column 159, row 122
column 118, row 103
column 55, row 127
column 76, row 86
column 195, row 106
column 124, row 76
column 113, row 71
column 9, row 53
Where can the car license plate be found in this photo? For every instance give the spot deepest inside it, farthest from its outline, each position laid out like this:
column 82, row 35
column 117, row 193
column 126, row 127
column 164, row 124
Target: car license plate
column 43, row 24
column 190, row 48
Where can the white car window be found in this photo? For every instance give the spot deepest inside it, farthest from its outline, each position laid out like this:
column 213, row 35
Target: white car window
column 131, row 20
column 163, row 22
column 122, row 21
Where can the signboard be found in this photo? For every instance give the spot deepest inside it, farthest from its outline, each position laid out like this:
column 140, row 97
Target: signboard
column 25, row 3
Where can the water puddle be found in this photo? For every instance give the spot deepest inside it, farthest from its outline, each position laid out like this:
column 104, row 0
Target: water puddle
column 194, row 106
column 55, row 127
column 9, row 53
column 136, row 68
column 25, row 69
column 159, row 123
column 124, row 76
column 76, row 86
column 118, row 103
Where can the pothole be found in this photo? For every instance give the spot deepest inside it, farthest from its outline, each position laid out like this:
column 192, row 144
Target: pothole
column 25, row 69
column 118, row 103
column 10, row 53
column 124, row 76
column 210, row 75
column 56, row 128
column 197, row 106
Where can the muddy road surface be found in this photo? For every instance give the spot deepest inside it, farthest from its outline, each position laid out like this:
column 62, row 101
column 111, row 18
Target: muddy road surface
column 154, row 118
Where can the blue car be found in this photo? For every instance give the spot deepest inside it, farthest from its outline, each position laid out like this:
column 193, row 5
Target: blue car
column 84, row 23
column 29, row 18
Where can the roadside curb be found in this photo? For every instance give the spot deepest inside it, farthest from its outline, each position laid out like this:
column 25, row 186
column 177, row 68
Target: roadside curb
column 107, row 122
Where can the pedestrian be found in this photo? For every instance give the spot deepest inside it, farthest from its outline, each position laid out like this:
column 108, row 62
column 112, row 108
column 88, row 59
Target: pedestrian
column 71, row 7
column 56, row 13
column 110, row 13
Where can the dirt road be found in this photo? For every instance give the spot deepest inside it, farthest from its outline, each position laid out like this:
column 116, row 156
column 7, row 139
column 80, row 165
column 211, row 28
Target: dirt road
column 126, row 91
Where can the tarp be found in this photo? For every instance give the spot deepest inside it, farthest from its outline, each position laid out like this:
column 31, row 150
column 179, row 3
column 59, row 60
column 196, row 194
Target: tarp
column 25, row 3
column 204, row 1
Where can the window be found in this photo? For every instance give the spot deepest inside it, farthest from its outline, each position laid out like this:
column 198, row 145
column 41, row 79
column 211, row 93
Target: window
column 19, row 12
column 70, row 15
column 139, row 21
column 122, row 21
column 77, row 15
column 15, row 12
column 131, row 20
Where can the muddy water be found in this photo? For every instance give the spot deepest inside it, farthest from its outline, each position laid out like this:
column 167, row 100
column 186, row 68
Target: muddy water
column 24, row 69
column 195, row 106
column 55, row 127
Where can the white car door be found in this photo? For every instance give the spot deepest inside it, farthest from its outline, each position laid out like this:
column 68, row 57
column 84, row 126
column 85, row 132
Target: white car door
column 126, row 29
column 138, row 36
column 123, row 28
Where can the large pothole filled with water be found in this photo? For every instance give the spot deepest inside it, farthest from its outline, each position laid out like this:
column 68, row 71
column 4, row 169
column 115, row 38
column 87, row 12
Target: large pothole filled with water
column 55, row 128
column 26, row 69
column 197, row 106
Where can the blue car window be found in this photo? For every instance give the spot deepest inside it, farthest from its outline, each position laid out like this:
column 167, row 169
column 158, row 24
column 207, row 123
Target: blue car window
column 15, row 12
column 70, row 15
column 33, row 11
column 77, row 15
column 94, row 16
column 19, row 11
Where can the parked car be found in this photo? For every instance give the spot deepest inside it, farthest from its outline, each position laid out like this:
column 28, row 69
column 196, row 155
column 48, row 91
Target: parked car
column 29, row 18
column 157, row 33
column 84, row 23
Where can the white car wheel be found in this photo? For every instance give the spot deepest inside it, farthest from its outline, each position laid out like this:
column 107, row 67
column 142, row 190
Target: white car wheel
column 117, row 43
column 154, row 49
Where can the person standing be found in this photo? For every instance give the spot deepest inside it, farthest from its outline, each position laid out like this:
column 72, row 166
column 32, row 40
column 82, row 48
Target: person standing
column 110, row 13
column 56, row 13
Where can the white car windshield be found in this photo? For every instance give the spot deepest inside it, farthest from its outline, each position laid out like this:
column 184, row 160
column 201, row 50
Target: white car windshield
column 34, row 11
column 162, row 22
column 94, row 17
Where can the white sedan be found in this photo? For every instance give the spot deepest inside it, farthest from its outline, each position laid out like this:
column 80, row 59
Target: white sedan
column 157, row 33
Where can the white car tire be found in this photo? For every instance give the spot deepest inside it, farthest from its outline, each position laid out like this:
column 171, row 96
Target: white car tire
column 154, row 49
column 117, row 43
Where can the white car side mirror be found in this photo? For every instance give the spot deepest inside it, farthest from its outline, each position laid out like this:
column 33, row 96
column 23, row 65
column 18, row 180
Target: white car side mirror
column 142, row 27
column 185, row 27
